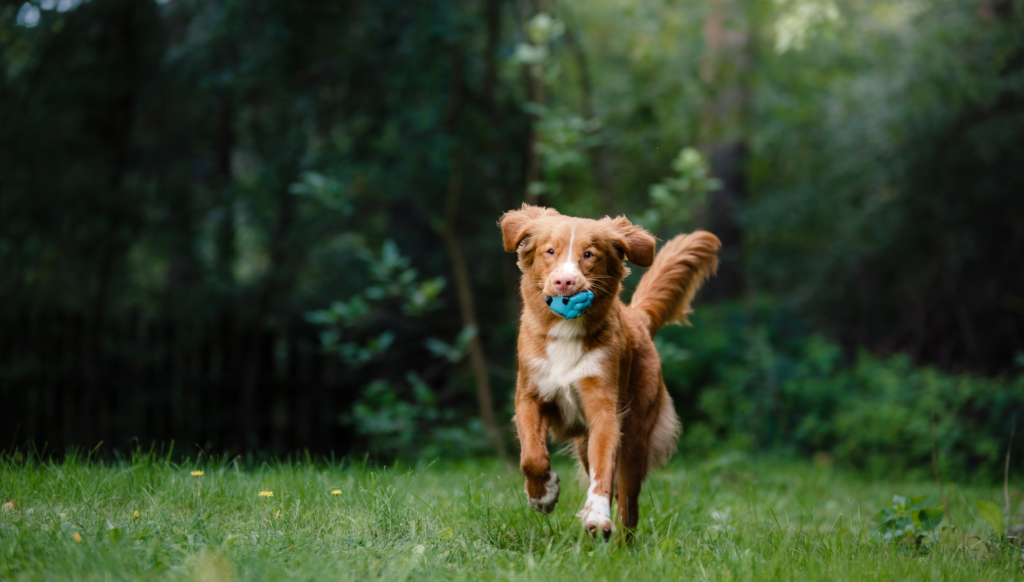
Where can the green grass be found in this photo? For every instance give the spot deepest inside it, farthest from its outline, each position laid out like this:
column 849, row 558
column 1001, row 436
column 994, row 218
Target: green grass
column 733, row 517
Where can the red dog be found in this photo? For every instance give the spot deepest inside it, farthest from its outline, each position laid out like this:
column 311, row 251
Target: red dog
column 597, row 379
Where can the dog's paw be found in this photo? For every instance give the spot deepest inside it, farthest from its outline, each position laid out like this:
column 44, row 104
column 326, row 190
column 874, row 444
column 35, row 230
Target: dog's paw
column 546, row 503
column 596, row 517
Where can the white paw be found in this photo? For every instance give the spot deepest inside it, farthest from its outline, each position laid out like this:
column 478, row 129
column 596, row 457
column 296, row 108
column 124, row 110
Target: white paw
column 546, row 503
column 596, row 517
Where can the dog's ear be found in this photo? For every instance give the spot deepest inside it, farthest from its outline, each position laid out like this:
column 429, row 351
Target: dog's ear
column 634, row 242
column 516, row 224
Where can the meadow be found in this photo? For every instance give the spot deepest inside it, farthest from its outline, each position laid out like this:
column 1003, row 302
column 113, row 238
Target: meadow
column 728, row 517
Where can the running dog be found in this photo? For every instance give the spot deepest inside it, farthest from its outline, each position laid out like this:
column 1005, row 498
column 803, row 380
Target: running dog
column 588, row 370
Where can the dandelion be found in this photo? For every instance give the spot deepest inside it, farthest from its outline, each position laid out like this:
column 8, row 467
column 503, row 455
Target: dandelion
column 77, row 536
column 336, row 492
column 196, row 473
column 136, row 514
column 266, row 493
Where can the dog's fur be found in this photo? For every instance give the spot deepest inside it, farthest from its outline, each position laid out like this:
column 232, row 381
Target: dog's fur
column 596, row 380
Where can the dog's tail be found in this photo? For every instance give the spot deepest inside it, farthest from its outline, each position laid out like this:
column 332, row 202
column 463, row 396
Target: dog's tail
column 679, row 269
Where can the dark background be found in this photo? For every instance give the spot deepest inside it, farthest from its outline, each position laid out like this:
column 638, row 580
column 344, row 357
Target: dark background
column 271, row 225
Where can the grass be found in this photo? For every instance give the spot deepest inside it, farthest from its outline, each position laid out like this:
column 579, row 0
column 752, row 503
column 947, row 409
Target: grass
column 733, row 517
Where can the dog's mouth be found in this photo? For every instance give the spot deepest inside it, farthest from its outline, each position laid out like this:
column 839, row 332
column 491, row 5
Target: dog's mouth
column 563, row 298
column 549, row 291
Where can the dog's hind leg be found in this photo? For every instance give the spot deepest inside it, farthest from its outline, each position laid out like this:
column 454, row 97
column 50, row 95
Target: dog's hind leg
column 665, row 432
column 580, row 452
column 630, row 473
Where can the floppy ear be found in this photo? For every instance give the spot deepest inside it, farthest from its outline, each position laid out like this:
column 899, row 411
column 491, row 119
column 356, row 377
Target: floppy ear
column 516, row 224
column 636, row 243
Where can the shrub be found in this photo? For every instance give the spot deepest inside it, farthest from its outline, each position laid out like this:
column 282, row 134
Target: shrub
column 755, row 379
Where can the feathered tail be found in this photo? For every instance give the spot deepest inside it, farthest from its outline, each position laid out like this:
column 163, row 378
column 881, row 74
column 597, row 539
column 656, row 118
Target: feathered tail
column 679, row 269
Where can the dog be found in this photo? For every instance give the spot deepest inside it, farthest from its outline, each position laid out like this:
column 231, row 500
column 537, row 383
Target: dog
column 595, row 381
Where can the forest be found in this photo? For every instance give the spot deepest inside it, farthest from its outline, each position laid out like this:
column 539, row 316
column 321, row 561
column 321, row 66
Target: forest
column 268, row 227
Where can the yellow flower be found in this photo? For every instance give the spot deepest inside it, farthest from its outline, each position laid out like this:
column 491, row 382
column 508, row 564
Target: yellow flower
column 266, row 493
column 77, row 536
column 336, row 492
column 136, row 514
column 196, row 473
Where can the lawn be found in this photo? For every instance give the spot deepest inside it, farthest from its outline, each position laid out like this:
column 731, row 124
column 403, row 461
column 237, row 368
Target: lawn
column 731, row 517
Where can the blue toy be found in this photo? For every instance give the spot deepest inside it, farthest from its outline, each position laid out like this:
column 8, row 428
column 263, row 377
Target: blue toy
column 571, row 307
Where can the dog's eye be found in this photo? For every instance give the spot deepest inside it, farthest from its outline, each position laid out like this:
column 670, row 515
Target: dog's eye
column 587, row 255
column 551, row 251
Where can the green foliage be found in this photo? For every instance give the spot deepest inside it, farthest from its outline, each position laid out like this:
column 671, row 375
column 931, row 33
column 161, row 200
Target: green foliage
column 329, row 192
column 1002, row 535
column 187, row 181
column 452, row 352
column 190, row 192
column 391, row 425
column 392, row 280
column 674, row 199
column 563, row 143
column 756, row 379
column 412, row 428
column 643, row 61
column 992, row 515
column 880, row 208
column 910, row 525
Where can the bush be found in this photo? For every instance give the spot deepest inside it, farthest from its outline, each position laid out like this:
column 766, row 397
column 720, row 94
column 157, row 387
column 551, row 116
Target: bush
column 755, row 379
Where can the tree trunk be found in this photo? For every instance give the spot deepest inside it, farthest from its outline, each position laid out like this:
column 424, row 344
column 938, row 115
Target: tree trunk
column 598, row 156
column 535, row 93
column 533, row 74
column 728, row 161
column 726, row 71
column 463, row 286
column 464, row 291
column 506, row 193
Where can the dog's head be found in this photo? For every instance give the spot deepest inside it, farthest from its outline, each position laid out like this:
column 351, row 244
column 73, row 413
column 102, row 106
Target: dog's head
column 562, row 256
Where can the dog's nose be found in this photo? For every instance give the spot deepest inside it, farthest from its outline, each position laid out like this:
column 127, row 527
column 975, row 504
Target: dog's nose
column 564, row 283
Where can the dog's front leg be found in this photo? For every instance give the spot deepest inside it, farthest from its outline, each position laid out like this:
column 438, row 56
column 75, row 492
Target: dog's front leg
column 534, row 461
column 600, row 406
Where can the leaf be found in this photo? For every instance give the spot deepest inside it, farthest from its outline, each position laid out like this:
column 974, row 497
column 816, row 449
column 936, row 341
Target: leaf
column 381, row 343
column 888, row 515
column 420, row 389
column 441, row 349
column 465, row 336
column 905, row 524
column 879, row 517
column 899, row 503
column 931, row 518
column 990, row 513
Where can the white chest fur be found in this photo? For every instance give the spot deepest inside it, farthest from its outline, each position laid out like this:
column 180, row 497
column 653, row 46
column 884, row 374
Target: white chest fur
column 557, row 375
